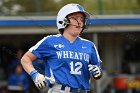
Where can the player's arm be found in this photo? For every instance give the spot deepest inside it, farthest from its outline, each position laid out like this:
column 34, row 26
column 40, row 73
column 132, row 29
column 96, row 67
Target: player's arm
column 26, row 62
column 95, row 64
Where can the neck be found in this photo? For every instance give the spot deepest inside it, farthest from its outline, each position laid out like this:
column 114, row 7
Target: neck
column 69, row 37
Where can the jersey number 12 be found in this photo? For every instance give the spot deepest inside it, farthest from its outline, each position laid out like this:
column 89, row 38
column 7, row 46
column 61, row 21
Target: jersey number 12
column 76, row 67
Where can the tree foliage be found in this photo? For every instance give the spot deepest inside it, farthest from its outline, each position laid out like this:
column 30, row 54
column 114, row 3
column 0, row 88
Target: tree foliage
column 44, row 7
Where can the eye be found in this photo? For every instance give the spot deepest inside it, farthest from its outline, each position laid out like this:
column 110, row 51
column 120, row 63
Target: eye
column 82, row 19
column 74, row 18
column 77, row 18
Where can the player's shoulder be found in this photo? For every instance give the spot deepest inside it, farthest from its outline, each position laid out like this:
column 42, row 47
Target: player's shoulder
column 50, row 37
column 85, row 40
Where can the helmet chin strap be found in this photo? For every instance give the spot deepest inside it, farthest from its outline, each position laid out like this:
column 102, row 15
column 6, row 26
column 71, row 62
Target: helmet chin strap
column 67, row 23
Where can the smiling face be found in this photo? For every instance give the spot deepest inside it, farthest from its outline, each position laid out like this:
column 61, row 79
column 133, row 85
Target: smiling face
column 76, row 23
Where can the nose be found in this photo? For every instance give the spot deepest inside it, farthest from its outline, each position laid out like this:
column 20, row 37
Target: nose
column 79, row 20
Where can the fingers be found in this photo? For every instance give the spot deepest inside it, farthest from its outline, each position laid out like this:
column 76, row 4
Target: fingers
column 90, row 67
column 40, row 81
column 40, row 85
column 94, row 70
column 96, row 75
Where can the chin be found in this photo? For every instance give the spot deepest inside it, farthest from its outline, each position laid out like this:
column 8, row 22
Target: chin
column 76, row 33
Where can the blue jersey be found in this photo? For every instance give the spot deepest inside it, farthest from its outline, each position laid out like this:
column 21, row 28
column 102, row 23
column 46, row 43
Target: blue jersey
column 67, row 62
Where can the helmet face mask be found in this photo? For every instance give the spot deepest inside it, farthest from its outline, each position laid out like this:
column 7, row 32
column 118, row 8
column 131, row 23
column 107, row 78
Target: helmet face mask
column 62, row 17
column 86, row 24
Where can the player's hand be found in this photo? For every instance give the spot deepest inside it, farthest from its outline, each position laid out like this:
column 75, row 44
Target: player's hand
column 95, row 71
column 38, row 79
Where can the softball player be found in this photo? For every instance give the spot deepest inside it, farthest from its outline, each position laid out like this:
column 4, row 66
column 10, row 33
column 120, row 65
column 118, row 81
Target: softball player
column 69, row 59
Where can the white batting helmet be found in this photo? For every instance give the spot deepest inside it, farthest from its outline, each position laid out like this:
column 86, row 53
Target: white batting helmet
column 66, row 10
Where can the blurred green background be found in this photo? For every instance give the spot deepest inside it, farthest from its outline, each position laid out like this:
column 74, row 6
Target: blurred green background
column 50, row 7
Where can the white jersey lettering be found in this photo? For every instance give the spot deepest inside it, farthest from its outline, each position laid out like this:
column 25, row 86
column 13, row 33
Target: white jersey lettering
column 73, row 55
